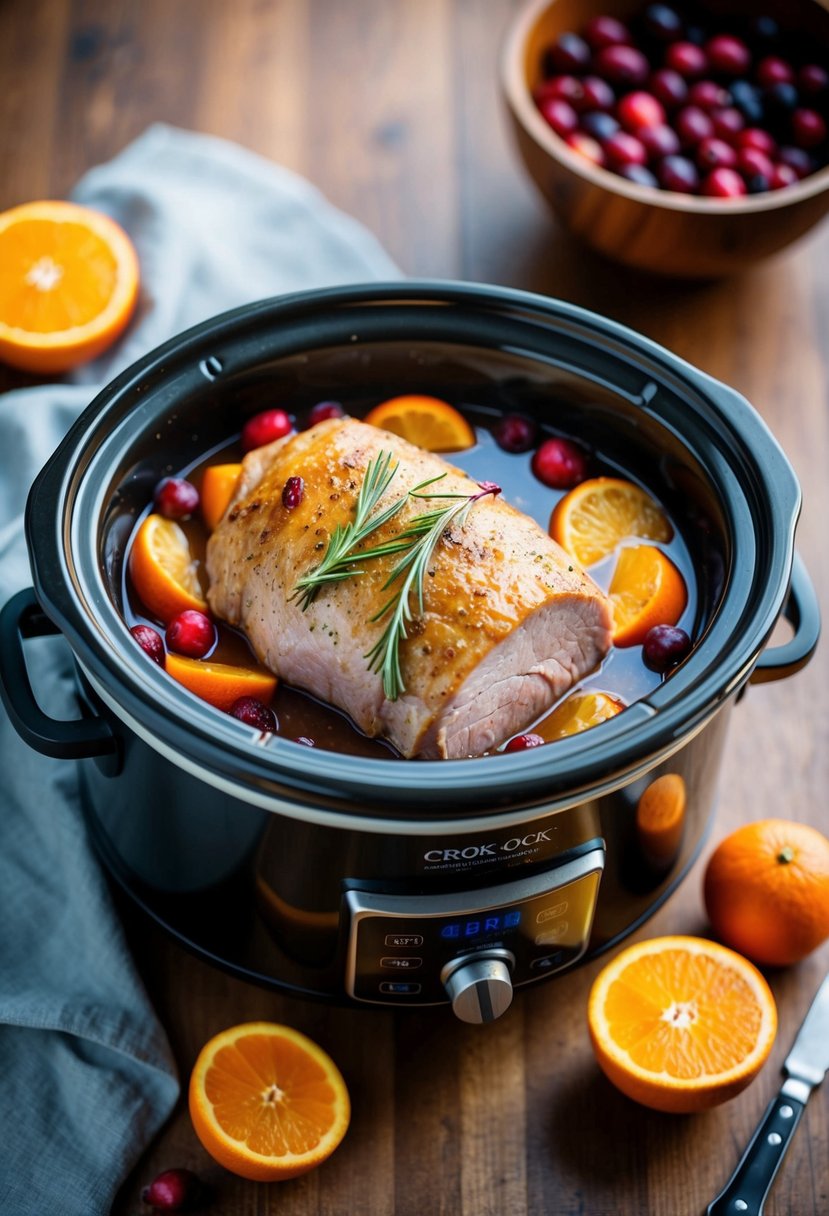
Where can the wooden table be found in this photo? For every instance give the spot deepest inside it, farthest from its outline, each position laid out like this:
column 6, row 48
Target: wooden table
column 392, row 109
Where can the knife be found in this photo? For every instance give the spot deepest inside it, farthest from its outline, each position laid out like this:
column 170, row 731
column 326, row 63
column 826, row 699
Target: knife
column 805, row 1067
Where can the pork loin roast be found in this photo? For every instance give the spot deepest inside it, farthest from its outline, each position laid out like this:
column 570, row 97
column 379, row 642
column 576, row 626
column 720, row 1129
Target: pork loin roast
column 510, row 622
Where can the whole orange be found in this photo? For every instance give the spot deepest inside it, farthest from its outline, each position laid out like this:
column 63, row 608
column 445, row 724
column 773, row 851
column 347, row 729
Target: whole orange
column 766, row 890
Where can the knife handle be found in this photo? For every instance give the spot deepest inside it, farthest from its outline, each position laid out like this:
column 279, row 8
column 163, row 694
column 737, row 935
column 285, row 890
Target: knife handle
column 746, row 1191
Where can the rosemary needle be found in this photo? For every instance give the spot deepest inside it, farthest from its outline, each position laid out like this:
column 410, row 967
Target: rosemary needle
column 340, row 555
column 423, row 533
column 417, row 542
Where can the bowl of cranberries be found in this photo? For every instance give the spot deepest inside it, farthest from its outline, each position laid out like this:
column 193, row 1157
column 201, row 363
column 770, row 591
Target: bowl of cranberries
column 689, row 139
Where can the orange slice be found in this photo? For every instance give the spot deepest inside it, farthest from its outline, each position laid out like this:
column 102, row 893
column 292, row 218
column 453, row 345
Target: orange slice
column 68, row 285
column 579, row 712
column 217, row 486
column 593, row 518
column 680, row 1023
column 425, row 421
column 646, row 590
column 266, row 1102
column 163, row 571
column 220, row 683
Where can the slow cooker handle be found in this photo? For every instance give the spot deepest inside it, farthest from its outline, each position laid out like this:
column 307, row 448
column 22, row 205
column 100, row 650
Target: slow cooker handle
column 21, row 618
column 803, row 610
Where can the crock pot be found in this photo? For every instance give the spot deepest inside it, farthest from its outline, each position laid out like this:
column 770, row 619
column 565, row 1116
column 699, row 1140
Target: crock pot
column 383, row 882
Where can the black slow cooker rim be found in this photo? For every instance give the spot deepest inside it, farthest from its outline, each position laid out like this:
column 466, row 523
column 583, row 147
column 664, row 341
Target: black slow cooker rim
column 718, row 666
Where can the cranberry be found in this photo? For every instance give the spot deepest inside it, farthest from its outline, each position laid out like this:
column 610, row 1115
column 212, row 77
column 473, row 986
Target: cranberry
column 781, row 176
column 668, row 87
column 727, row 122
column 639, row 174
column 570, row 53
column 723, row 183
column 640, row 109
column 756, row 137
column 716, row 154
column 560, row 88
column 752, row 162
column 780, row 99
column 520, row 743
column 264, row 428
column 798, row 159
column 774, row 70
column 763, row 29
column 747, row 100
column 813, row 79
column 558, row 463
column 293, row 493
column 191, row 633
column 560, row 115
column 324, row 410
column 708, row 95
column 305, row 741
column 174, row 1191
column 659, row 141
column 678, row 174
column 598, row 94
column 663, row 22
column 587, row 147
column 515, row 433
column 149, row 640
column 808, row 128
column 606, row 31
column 728, row 55
column 600, row 125
column 176, row 498
column 625, row 149
column 254, row 713
column 622, row 65
column 687, row 59
column 693, row 125
column 697, row 35
column 664, row 647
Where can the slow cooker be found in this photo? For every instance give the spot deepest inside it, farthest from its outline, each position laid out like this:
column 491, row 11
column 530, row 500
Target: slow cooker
column 403, row 883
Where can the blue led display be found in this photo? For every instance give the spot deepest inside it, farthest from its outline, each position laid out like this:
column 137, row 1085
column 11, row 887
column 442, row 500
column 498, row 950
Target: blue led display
column 493, row 922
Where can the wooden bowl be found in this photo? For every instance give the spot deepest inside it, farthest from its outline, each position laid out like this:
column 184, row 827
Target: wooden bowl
column 655, row 230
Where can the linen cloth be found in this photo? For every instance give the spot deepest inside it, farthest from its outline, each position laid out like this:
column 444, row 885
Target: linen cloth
column 86, row 1073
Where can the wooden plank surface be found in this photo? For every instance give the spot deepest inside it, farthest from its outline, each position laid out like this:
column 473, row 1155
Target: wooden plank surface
column 392, row 109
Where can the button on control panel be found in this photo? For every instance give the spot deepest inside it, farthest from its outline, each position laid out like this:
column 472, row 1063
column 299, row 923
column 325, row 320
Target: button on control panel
column 541, row 922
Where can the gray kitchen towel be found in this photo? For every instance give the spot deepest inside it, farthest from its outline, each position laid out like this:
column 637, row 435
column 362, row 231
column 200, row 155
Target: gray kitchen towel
column 86, row 1073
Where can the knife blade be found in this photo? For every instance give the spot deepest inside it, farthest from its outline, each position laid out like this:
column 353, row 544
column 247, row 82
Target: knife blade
column 805, row 1067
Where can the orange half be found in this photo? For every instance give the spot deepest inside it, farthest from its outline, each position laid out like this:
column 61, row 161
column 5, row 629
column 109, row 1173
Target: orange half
column 266, row 1102
column 427, row 422
column 220, row 683
column 646, row 590
column 591, row 520
column 68, row 284
column 681, row 1024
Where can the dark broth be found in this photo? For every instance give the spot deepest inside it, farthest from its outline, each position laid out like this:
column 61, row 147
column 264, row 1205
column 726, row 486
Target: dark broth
column 622, row 674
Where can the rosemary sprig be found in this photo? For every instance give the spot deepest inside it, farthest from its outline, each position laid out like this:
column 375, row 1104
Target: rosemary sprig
column 340, row 554
column 423, row 534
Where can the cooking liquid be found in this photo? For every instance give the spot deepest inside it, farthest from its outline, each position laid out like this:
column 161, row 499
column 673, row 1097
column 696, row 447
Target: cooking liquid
column 622, row 674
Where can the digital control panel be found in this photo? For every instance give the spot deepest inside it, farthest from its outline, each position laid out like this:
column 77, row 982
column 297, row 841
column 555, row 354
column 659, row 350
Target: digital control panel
column 398, row 945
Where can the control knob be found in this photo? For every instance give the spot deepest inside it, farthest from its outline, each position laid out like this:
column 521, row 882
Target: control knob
column 479, row 986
